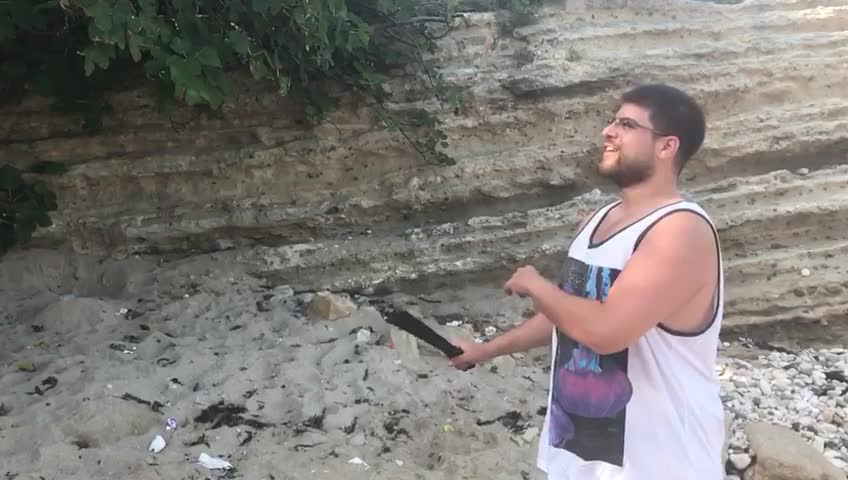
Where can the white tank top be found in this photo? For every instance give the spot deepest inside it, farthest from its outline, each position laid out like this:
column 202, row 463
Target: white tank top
column 651, row 411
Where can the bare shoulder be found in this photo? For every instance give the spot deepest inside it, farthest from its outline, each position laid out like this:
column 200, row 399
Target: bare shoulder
column 684, row 234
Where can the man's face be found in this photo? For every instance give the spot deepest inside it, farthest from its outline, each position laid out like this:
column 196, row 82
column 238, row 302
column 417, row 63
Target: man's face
column 629, row 153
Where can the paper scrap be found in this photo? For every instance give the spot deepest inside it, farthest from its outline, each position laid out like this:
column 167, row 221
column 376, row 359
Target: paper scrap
column 214, row 463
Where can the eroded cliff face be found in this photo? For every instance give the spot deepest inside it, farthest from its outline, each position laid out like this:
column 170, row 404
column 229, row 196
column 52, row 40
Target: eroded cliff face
column 348, row 205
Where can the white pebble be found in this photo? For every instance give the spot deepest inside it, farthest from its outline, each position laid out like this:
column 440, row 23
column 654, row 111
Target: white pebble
column 805, row 272
column 832, row 454
column 740, row 460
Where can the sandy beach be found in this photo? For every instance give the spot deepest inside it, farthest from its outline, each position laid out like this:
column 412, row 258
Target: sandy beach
column 98, row 355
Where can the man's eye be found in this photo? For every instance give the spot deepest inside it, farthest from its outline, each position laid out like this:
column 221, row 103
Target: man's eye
column 627, row 124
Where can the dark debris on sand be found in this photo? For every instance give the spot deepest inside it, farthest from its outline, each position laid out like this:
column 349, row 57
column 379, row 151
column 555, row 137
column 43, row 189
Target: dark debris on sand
column 230, row 415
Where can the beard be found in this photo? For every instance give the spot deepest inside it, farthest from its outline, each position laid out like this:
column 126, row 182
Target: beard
column 627, row 172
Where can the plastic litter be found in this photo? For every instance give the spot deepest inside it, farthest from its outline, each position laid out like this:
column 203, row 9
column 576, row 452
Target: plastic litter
column 363, row 335
column 358, row 461
column 171, row 424
column 490, row 331
column 214, row 463
column 157, row 445
column 454, row 323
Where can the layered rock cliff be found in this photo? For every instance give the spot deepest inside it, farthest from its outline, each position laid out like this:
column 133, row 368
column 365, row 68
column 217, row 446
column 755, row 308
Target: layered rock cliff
column 348, row 205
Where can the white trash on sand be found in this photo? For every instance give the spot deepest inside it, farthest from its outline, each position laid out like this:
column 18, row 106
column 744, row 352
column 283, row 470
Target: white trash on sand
column 358, row 461
column 214, row 463
column 157, row 445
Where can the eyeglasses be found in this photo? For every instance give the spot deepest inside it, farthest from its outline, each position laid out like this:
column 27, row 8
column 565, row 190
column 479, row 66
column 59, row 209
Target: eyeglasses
column 630, row 124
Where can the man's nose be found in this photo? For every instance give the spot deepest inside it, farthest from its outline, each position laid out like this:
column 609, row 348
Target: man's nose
column 609, row 131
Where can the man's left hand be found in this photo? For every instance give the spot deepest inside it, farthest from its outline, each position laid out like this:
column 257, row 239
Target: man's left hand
column 522, row 281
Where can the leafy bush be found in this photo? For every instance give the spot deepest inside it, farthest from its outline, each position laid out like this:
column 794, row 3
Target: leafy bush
column 24, row 206
column 76, row 51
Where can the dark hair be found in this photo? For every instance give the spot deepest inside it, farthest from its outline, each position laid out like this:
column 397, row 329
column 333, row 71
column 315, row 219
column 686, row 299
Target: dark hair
column 673, row 113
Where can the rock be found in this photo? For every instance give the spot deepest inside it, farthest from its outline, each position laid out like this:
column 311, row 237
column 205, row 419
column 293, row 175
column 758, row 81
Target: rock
column 25, row 366
column 782, row 454
column 740, row 460
column 531, row 435
column 357, row 440
column 831, row 454
column 327, row 306
column 728, row 431
column 405, row 343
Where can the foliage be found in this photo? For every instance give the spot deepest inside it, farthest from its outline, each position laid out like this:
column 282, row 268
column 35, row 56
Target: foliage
column 24, row 206
column 77, row 51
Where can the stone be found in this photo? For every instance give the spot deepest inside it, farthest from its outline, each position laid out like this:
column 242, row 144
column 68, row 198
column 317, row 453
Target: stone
column 728, row 431
column 327, row 306
column 405, row 343
column 357, row 440
column 531, row 435
column 782, row 454
column 740, row 460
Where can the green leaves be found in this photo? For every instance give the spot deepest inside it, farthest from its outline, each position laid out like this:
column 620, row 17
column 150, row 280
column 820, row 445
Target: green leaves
column 24, row 206
column 78, row 50
column 99, row 54
column 239, row 41
column 208, row 56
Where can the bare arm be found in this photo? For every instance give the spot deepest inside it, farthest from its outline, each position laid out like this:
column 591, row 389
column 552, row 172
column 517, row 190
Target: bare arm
column 531, row 333
column 674, row 263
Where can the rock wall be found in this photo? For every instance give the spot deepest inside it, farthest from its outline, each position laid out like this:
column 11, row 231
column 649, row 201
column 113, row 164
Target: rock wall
column 348, row 205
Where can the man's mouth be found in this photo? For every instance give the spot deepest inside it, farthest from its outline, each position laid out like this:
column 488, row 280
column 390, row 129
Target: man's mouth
column 610, row 148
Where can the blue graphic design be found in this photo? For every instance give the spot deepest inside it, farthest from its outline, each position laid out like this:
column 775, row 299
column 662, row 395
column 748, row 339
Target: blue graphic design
column 590, row 391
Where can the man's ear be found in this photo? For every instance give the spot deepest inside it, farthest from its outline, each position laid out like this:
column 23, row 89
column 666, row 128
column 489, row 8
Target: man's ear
column 669, row 148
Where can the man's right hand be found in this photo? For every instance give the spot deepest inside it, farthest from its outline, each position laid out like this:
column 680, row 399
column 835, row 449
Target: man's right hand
column 473, row 354
column 533, row 332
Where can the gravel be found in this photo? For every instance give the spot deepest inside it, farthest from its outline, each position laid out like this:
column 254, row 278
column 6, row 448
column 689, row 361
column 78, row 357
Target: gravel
column 805, row 391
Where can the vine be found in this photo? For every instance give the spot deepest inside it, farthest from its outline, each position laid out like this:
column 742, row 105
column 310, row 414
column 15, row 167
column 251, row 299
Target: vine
column 77, row 51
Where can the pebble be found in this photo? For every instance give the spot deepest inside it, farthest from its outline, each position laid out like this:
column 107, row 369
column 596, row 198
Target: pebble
column 740, row 460
column 788, row 389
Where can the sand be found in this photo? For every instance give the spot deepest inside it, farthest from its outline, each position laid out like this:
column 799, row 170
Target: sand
column 115, row 348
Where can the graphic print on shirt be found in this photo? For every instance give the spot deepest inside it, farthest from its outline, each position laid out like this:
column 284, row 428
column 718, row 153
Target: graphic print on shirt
column 590, row 391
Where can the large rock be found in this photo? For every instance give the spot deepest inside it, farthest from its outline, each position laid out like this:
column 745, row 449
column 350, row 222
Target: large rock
column 327, row 306
column 782, row 454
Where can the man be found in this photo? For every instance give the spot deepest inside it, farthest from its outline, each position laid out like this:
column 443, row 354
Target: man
column 635, row 318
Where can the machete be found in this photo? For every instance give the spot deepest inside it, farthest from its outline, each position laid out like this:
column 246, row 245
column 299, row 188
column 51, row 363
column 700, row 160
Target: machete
column 411, row 324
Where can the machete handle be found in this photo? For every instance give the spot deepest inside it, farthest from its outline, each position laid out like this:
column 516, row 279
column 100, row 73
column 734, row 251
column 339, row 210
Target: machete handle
column 455, row 352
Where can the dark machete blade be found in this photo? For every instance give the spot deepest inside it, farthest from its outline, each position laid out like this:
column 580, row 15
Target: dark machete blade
column 409, row 323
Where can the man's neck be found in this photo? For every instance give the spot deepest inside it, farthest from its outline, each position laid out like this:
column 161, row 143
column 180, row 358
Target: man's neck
column 648, row 195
